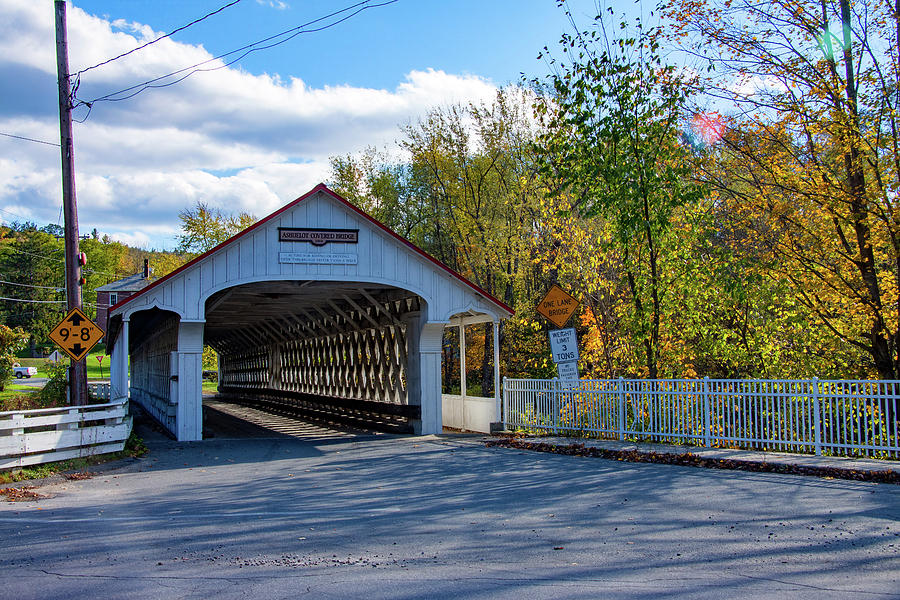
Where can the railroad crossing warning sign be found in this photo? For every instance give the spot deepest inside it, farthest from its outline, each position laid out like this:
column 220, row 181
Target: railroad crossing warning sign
column 76, row 334
column 558, row 305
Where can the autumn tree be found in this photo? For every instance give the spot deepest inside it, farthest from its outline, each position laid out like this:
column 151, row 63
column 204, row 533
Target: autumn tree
column 613, row 112
column 810, row 157
column 466, row 192
column 31, row 264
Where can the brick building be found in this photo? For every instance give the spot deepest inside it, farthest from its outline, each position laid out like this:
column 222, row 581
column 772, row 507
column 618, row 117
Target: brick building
column 112, row 293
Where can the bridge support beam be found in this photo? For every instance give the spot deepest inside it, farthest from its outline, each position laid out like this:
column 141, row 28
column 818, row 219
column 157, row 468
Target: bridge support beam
column 118, row 366
column 423, row 371
column 187, row 373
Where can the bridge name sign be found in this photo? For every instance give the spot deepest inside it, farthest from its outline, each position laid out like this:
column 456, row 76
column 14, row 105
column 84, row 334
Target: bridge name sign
column 318, row 236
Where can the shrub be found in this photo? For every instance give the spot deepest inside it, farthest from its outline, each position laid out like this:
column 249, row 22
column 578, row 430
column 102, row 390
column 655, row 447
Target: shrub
column 54, row 393
column 11, row 340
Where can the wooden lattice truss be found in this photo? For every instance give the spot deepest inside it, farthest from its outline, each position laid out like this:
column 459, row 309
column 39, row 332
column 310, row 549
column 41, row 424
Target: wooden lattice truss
column 154, row 338
column 343, row 340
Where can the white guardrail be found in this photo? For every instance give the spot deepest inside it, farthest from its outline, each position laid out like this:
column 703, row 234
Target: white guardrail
column 30, row 437
column 838, row 417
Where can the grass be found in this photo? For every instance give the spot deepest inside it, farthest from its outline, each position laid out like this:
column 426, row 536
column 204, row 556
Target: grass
column 134, row 447
column 12, row 396
column 94, row 370
column 40, row 363
column 210, row 386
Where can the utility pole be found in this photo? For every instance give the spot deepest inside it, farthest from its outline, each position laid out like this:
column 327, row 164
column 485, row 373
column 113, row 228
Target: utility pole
column 77, row 371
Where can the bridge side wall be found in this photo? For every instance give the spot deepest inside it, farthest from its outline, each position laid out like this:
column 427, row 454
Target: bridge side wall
column 151, row 372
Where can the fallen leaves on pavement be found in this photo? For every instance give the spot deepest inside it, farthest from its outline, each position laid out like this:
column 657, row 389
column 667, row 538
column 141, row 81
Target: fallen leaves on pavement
column 688, row 459
column 21, row 494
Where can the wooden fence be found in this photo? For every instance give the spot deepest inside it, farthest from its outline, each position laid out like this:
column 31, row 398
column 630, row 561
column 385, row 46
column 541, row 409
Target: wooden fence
column 29, row 437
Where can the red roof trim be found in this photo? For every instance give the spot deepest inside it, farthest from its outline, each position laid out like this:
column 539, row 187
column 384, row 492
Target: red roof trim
column 319, row 188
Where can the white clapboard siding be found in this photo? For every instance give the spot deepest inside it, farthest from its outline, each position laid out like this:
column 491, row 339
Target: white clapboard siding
column 76, row 432
column 469, row 413
column 253, row 257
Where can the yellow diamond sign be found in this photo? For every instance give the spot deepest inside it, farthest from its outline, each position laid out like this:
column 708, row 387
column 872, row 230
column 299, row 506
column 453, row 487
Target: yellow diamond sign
column 558, row 306
column 76, row 334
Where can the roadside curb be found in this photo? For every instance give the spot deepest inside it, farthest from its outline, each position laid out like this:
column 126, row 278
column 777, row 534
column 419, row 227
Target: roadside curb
column 735, row 461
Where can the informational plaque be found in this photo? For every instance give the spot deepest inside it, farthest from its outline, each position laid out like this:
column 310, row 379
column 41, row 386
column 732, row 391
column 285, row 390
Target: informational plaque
column 312, row 258
column 568, row 371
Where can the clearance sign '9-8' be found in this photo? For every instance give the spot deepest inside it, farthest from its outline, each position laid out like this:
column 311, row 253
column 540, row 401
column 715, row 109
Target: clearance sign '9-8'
column 76, row 334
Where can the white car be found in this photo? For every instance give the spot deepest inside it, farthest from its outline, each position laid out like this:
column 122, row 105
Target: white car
column 26, row 372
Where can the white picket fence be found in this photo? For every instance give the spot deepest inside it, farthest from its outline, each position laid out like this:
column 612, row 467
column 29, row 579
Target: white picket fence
column 100, row 390
column 825, row 417
column 30, row 437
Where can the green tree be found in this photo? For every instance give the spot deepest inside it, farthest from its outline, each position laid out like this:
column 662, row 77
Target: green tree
column 11, row 340
column 203, row 227
column 106, row 262
column 613, row 112
column 467, row 193
column 32, row 269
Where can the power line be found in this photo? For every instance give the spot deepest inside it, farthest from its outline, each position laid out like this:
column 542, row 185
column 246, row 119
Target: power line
column 44, row 256
column 246, row 50
column 42, row 301
column 162, row 37
column 33, row 301
column 61, row 260
column 26, row 219
column 39, row 287
column 28, row 139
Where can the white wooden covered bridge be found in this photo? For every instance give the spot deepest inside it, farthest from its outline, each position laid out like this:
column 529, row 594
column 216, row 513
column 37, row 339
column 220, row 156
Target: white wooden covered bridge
column 317, row 306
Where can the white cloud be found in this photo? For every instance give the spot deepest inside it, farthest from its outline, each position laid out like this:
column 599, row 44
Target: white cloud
column 750, row 85
column 135, row 240
column 227, row 137
column 276, row 4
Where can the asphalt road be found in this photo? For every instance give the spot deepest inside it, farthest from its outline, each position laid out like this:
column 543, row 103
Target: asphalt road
column 35, row 382
column 443, row 517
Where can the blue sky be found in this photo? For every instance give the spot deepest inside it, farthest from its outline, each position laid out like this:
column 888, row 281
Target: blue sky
column 497, row 39
column 257, row 134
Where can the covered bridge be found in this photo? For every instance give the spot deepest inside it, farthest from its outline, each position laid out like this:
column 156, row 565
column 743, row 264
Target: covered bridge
column 317, row 305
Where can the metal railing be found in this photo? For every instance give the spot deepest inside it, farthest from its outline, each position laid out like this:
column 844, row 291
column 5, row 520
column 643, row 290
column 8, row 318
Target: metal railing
column 837, row 417
column 30, row 437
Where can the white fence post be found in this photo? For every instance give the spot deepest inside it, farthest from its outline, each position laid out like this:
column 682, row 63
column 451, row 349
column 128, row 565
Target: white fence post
column 707, row 433
column 554, row 405
column 620, row 388
column 41, row 435
column 817, row 420
column 504, row 415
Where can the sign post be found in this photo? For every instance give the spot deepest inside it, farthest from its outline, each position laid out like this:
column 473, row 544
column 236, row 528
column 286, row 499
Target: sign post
column 558, row 307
